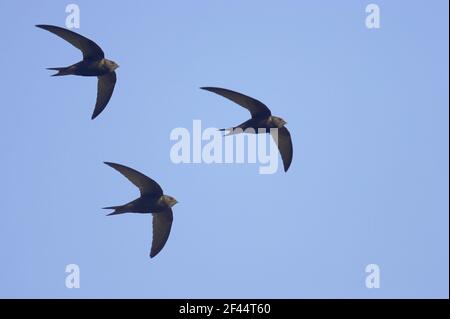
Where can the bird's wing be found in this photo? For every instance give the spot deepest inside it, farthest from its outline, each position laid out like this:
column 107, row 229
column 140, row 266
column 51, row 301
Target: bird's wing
column 91, row 51
column 255, row 107
column 146, row 185
column 162, row 223
column 105, row 89
column 284, row 144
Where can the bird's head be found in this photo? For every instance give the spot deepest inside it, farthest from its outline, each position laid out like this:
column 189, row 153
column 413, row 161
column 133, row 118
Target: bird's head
column 169, row 200
column 278, row 121
column 111, row 65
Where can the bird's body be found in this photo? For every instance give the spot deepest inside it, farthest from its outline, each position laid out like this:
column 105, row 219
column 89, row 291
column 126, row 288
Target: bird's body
column 152, row 200
column 94, row 63
column 257, row 124
column 261, row 122
column 87, row 68
column 143, row 205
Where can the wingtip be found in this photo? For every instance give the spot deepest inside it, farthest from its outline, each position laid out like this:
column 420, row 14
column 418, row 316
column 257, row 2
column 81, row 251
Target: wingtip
column 153, row 254
column 113, row 165
column 286, row 168
column 41, row 26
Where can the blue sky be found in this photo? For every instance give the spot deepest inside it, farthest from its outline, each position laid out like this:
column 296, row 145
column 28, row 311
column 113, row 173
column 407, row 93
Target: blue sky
column 368, row 114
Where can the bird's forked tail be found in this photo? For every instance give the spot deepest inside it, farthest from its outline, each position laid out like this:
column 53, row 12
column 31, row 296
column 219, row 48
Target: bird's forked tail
column 228, row 131
column 61, row 71
column 117, row 210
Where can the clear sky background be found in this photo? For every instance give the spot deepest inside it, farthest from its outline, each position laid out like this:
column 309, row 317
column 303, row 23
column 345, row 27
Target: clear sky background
column 367, row 110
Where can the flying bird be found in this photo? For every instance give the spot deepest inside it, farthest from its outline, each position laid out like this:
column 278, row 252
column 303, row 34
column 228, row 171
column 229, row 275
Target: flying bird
column 93, row 64
column 152, row 200
column 261, row 117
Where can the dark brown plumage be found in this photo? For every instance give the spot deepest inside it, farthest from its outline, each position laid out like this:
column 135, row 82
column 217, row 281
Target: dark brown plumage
column 93, row 64
column 152, row 200
column 261, row 118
